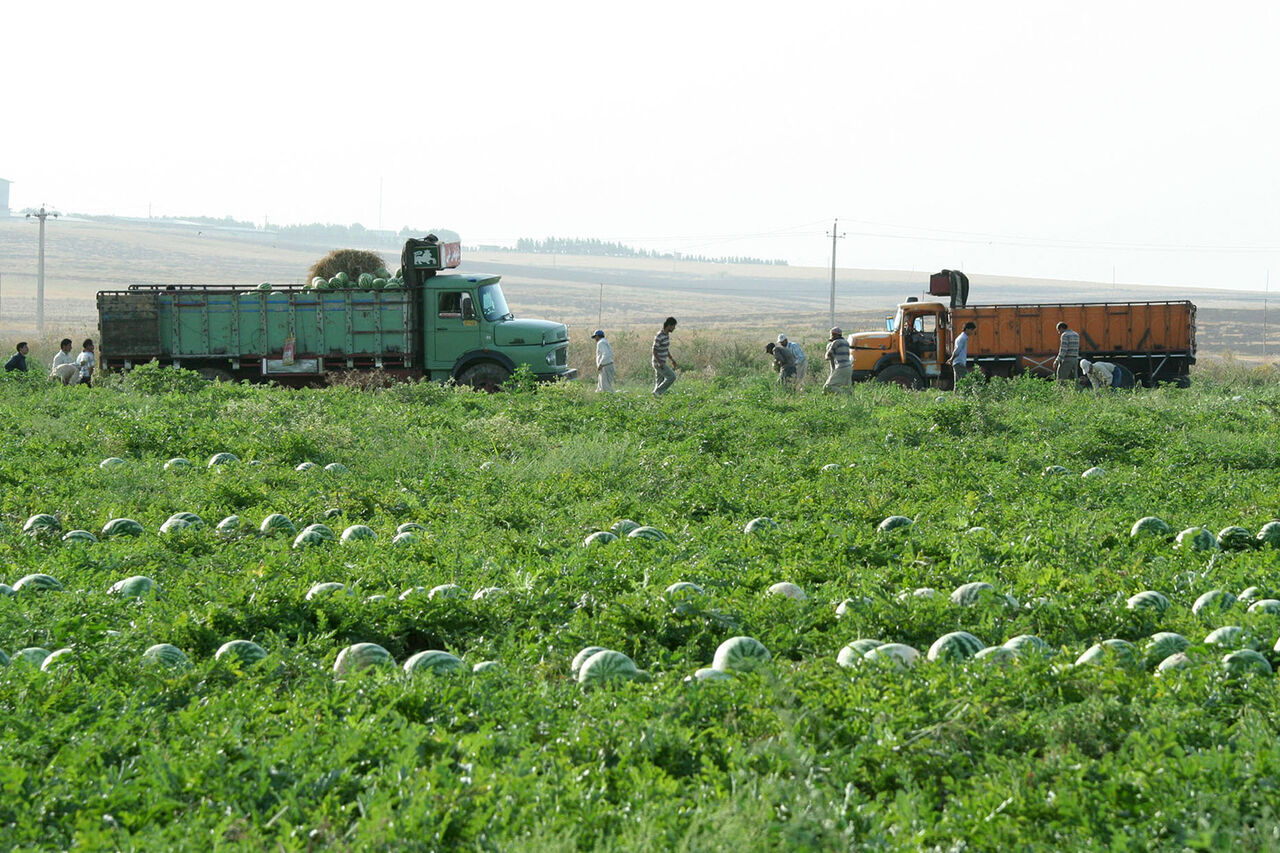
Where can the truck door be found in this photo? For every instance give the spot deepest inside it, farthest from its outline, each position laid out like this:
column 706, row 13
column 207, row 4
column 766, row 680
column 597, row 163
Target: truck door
column 922, row 335
column 455, row 329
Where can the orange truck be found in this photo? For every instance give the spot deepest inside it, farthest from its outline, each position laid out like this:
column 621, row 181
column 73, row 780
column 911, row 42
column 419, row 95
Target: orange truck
column 1155, row 341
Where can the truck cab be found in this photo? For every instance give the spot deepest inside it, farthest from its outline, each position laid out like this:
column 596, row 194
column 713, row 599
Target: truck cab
column 912, row 350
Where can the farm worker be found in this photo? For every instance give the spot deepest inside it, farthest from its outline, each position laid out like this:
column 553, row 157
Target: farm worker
column 840, row 358
column 85, row 362
column 18, row 361
column 960, row 353
column 64, row 365
column 1067, row 363
column 1101, row 374
column 663, row 376
column 784, row 361
column 604, row 363
column 802, row 362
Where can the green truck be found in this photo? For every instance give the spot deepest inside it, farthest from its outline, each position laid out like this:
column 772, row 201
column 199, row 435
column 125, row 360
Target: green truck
column 425, row 323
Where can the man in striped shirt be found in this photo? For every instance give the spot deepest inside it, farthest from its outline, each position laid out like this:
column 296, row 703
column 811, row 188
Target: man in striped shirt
column 841, row 360
column 663, row 375
column 1067, row 364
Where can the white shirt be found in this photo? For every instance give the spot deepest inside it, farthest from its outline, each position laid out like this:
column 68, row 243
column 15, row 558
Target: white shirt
column 1101, row 373
column 85, row 360
column 960, row 351
column 60, row 359
column 797, row 352
column 604, row 353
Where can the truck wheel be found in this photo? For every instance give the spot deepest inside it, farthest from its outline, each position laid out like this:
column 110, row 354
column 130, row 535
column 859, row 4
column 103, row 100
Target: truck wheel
column 485, row 376
column 213, row 374
column 901, row 374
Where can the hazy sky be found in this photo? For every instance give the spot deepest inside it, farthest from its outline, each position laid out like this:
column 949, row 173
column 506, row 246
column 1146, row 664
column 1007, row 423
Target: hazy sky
column 1061, row 140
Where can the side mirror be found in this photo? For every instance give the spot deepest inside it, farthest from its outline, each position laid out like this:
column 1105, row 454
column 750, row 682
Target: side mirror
column 468, row 307
column 888, row 324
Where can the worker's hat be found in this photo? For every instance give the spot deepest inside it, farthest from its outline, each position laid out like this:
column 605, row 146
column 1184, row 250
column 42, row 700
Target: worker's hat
column 598, row 333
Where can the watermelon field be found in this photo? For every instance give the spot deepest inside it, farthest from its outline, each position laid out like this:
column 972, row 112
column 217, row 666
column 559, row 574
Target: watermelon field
column 364, row 618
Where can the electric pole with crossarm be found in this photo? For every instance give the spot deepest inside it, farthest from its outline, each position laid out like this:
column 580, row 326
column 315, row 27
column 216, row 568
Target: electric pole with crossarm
column 41, row 214
column 834, row 235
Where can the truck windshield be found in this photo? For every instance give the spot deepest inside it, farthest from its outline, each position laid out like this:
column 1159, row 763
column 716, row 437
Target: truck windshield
column 493, row 304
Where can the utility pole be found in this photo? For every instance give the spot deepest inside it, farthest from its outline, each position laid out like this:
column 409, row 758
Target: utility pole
column 834, row 235
column 42, row 214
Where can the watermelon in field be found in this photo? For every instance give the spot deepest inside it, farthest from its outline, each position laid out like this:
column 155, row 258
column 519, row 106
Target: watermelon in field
column 607, row 666
column 1197, row 539
column 1245, row 662
column 830, row 467
column 433, row 663
column 165, row 654
column 243, row 652
column 81, row 536
column 31, row 656
column 1148, row 600
column 850, row 604
column 996, row 655
column 111, row 462
column 173, row 524
column 1113, row 652
column 324, row 590
column 137, row 586
column 488, row 592
column 305, row 466
column 600, row 537
column 1095, row 471
column 277, row 524
column 955, row 646
column 230, row 525
column 925, row 592
column 1150, row 526
column 1269, row 534
column 121, row 527
column 406, row 538
column 1229, row 637
column 42, row 526
column 581, row 657
column 5, row 589
column 708, row 673
column 1235, row 538
column 447, row 591
column 178, row 463
column 647, row 534
column 897, row 655
column 1160, row 646
column 1250, row 594
column 1027, row 645
column 895, row 522
column 1054, row 471
column 853, row 654
column 308, row 538
column 361, row 656
column 623, row 527
column 1213, row 600
column 740, row 654
column 411, row 527
column 337, row 468
column 486, row 666
column 57, row 659
column 359, row 533
column 682, row 591
column 762, row 524
column 788, row 590
column 222, row 459
column 1178, row 660
column 37, row 583
column 973, row 593
column 1265, row 605
column 323, row 531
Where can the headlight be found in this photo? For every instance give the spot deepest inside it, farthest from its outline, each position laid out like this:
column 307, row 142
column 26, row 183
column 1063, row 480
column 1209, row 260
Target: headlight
column 551, row 357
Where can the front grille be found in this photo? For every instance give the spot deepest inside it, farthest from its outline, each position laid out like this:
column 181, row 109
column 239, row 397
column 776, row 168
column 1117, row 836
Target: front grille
column 562, row 356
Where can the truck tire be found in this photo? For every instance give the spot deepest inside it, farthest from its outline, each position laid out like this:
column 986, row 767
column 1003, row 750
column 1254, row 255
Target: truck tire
column 901, row 374
column 484, row 376
column 214, row 374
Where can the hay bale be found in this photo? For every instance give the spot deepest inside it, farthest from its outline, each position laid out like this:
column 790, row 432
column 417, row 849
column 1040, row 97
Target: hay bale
column 353, row 262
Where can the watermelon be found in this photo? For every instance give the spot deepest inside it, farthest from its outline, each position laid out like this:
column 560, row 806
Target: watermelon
column 137, row 586
column 173, row 524
column 973, row 593
column 1250, row 594
column 57, row 659
column 4, row 658
column 222, row 459
column 1175, row 661
column 996, row 655
column 484, row 665
column 81, row 536
column 31, row 656
column 1244, row 662
column 37, row 583
column 1148, row 600
column 1114, row 652
column 647, row 534
column 763, row 524
column 264, row 287
column 343, row 278
column 607, row 666
column 830, row 466
column 600, row 537
column 243, row 652
column 850, row 604
column 1269, row 534
column 1161, row 645
column 406, row 538
column 190, row 518
column 897, row 655
column 581, row 657
column 111, row 462
column 361, row 656
column 229, row 526
column 305, row 466
column 1197, row 539
column 277, row 524
column 332, row 512
column 978, row 532
column 337, row 468
column 853, row 654
column 1150, row 526
column 955, row 646
column 448, row 591
column 708, row 673
column 411, row 592
column 488, row 592
column 379, row 283
column 1235, row 538
column 682, row 591
column 1228, row 636
column 323, row 531
column 42, row 525
column 365, row 280
column 410, row 527
column 740, row 654
column 622, row 527
column 121, row 527
column 165, row 655
column 433, row 663
column 5, row 589
column 1214, row 599
column 788, row 590
column 308, row 538
column 1265, row 605
column 894, row 522
column 336, row 283
column 1027, row 645
column 358, row 533
column 324, row 590
column 1053, row 471
column 1095, row 471
column 319, row 282
column 178, row 463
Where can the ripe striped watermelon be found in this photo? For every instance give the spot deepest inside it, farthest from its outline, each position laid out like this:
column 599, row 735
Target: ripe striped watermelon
column 1161, row 645
column 1053, row 471
column 178, row 463
column 222, row 459
column 895, row 522
column 81, row 536
column 358, row 533
column 277, row 524
column 763, row 524
column 853, row 654
column 1179, row 660
column 1269, row 534
column 488, row 592
column 448, row 591
column 406, row 538
column 361, row 656
column 242, row 652
column 1095, row 471
column 42, row 525
column 5, row 589
column 973, row 593
column 412, row 592
column 31, row 656
column 111, row 462
column 955, row 646
column 1148, row 600
column 486, row 666
column 1229, row 637
column 581, row 657
column 1150, row 526
column 623, row 527
column 1265, row 605
column 337, row 468
column 788, row 590
column 411, row 527
column 897, row 655
column 1027, row 645
column 1197, row 539
column 1235, row 538
column 648, row 534
column 136, row 586
column 308, row 539
column 57, row 659
column 322, row 530
column 1250, row 594
column 305, row 466
column 996, row 655
column 173, row 523
column 1245, row 662
column 229, row 526
column 121, row 527
column 607, row 666
column 165, row 654
column 433, row 662
column 600, row 537
column 682, row 591
column 1213, row 600
column 37, row 583
column 740, row 654
column 324, row 590
column 1112, row 652
column 850, row 604
column 709, row 673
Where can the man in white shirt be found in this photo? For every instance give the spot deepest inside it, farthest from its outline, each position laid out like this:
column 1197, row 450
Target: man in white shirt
column 604, row 363
column 1101, row 374
column 65, row 369
column 802, row 362
column 960, row 354
column 85, row 361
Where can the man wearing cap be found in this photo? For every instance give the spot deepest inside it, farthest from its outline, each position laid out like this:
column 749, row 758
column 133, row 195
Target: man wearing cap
column 840, row 358
column 1101, row 374
column 1067, row 364
column 604, row 363
column 960, row 354
column 784, row 361
column 801, row 361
